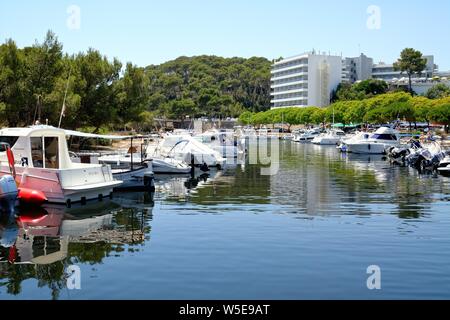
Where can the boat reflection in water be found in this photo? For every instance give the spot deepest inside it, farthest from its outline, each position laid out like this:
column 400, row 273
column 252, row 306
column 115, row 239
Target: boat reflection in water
column 182, row 187
column 41, row 243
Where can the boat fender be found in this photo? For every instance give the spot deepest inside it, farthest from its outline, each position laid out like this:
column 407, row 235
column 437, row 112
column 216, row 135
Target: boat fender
column 369, row 146
column 31, row 197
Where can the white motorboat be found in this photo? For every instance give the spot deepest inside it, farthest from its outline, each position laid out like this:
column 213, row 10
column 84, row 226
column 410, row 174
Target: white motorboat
column 43, row 163
column 129, row 168
column 308, row 135
column 288, row 137
column 444, row 166
column 342, row 146
column 375, row 143
column 160, row 165
column 187, row 149
column 167, row 165
column 332, row 137
column 247, row 133
column 223, row 142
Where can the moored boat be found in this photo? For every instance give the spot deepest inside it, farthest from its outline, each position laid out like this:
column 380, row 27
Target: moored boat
column 375, row 143
column 332, row 137
column 444, row 166
column 43, row 163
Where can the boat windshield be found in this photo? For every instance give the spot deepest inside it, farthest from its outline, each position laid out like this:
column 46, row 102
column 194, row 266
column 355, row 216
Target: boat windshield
column 384, row 136
column 11, row 140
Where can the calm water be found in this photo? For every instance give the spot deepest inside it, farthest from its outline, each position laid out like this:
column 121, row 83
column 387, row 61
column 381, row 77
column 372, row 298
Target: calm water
column 308, row 232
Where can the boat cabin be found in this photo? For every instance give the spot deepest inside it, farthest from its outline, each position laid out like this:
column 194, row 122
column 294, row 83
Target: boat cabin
column 37, row 147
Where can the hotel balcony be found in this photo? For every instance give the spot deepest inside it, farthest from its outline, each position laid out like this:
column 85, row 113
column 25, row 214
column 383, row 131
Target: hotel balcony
column 286, row 84
column 275, row 77
column 305, row 99
column 297, row 66
column 290, row 91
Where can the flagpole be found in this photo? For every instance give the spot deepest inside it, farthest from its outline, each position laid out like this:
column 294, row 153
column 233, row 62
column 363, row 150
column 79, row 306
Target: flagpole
column 63, row 109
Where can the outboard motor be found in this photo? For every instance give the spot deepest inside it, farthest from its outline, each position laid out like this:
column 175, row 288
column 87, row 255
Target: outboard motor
column 204, row 167
column 8, row 194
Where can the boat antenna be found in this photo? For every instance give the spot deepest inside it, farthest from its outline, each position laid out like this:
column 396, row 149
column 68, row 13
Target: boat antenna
column 63, row 108
column 37, row 110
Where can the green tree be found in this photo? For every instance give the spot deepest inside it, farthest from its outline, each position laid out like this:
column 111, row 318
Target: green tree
column 179, row 109
column 422, row 108
column 411, row 62
column 318, row 115
column 132, row 94
column 95, row 85
column 354, row 112
column 438, row 91
column 440, row 112
column 371, row 87
column 246, row 118
column 12, row 83
column 360, row 90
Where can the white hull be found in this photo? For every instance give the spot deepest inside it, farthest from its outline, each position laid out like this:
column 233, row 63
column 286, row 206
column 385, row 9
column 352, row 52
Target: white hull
column 170, row 166
column 308, row 139
column 367, row 147
column 42, row 163
column 141, row 177
column 444, row 166
column 445, row 171
column 61, row 187
column 326, row 141
column 186, row 149
column 200, row 159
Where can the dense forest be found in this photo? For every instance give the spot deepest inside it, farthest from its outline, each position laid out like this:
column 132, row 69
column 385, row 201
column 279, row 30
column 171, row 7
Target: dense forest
column 98, row 92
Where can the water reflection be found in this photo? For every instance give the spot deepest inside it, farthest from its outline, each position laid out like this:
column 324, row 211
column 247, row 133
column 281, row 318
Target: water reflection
column 314, row 182
column 41, row 243
column 318, row 180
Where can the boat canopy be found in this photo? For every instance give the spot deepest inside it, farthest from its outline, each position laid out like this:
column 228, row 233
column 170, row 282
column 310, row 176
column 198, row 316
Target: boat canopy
column 24, row 132
column 341, row 125
column 101, row 136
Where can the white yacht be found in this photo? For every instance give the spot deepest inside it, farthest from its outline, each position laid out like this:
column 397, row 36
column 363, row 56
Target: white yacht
column 223, row 142
column 42, row 163
column 247, row 133
column 187, row 149
column 375, row 143
column 160, row 165
column 444, row 166
column 129, row 168
column 332, row 137
column 308, row 135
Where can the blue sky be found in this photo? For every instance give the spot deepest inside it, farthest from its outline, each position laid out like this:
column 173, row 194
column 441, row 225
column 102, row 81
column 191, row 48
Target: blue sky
column 151, row 32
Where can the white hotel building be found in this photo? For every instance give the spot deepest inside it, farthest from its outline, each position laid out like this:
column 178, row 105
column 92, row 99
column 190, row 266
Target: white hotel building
column 310, row 79
column 305, row 80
